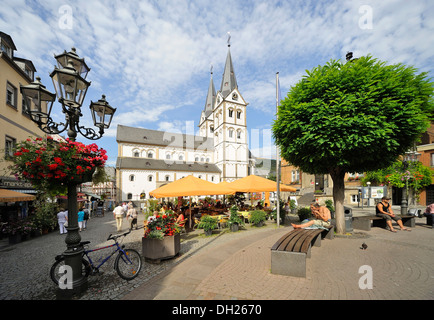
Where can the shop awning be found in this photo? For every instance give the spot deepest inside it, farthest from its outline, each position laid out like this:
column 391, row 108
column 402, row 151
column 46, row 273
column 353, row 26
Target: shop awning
column 13, row 196
column 254, row 183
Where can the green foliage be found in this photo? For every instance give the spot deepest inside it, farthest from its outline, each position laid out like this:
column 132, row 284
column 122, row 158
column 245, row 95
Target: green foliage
column 234, row 217
column 207, row 223
column 329, row 205
column 304, row 213
column 416, row 175
column 257, row 216
column 357, row 116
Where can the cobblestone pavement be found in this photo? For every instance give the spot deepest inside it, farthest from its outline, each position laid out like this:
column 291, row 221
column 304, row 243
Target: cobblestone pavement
column 234, row 266
column 24, row 267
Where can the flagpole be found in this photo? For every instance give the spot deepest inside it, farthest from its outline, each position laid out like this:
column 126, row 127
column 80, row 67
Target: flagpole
column 277, row 156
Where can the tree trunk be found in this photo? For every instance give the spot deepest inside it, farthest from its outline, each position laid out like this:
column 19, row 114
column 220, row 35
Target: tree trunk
column 338, row 176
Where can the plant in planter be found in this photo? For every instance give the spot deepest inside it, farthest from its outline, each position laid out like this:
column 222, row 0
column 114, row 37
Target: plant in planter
column 208, row 224
column 161, row 239
column 304, row 213
column 50, row 165
column 257, row 218
column 235, row 220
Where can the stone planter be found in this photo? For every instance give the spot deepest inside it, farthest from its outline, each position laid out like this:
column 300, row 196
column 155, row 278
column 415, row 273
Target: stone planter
column 155, row 250
column 234, row 227
column 15, row 238
column 208, row 232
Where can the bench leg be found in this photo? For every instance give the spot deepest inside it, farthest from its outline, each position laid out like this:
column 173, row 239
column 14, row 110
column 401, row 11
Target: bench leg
column 409, row 222
column 380, row 223
column 362, row 224
column 328, row 234
column 429, row 220
column 288, row 263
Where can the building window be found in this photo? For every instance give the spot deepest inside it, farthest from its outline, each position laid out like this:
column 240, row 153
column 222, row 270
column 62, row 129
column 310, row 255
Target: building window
column 167, row 156
column 132, row 177
column 11, row 95
column 129, row 196
column 9, row 147
column 238, row 114
column 354, row 198
column 231, row 113
column 167, row 178
column 136, row 154
column 212, row 178
column 238, row 134
column 6, row 49
column 196, row 159
column 202, row 159
column 432, row 159
column 181, row 157
column 207, row 159
column 150, row 178
column 150, row 155
column 295, row 176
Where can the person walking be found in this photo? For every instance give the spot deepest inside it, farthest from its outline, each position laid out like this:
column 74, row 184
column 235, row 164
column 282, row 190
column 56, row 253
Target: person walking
column 118, row 214
column 62, row 219
column 132, row 216
column 86, row 217
column 80, row 217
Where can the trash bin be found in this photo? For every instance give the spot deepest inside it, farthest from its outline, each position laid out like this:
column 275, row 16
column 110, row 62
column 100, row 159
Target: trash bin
column 348, row 219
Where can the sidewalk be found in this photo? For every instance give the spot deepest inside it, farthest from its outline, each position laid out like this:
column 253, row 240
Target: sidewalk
column 238, row 267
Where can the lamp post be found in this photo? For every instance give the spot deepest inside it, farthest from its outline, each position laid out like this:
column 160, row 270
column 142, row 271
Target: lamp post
column 69, row 80
column 411, row 156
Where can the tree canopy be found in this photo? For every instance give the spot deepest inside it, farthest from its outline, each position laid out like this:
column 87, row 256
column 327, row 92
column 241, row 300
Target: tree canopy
column 358, row 115
column 352, row 116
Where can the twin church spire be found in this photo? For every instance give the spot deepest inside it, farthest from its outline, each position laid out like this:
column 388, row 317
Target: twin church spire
column 228, row 84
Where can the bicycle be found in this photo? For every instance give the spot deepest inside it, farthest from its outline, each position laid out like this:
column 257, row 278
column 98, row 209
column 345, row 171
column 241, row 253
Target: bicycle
column 128, row 263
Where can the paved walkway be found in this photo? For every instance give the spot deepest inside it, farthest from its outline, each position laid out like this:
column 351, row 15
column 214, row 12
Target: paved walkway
column 239, row 268
column 235, row 266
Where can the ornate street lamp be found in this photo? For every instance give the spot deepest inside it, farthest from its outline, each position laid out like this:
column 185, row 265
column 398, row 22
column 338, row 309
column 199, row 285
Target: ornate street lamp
column 411, row 156
column 69, row 79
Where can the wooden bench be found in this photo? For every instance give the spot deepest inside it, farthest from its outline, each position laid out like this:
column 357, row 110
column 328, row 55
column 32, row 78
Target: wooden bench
column 364, row 223
column 289, row 253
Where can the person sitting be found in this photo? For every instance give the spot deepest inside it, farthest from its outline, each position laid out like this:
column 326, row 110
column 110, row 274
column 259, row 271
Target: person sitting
column 180, row 220
column 384, row 210
column 322, row 218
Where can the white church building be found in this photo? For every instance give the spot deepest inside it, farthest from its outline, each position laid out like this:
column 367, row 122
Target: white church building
column 148, row 159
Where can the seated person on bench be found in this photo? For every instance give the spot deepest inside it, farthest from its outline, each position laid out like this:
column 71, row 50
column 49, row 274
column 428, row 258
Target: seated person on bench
column 384, row 210
column 322, row 218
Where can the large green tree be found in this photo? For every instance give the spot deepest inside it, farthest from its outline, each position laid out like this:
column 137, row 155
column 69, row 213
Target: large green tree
column 352, row 116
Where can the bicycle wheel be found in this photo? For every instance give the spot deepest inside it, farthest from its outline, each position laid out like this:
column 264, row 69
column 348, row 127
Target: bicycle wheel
column 128, row 265
column 55, row 273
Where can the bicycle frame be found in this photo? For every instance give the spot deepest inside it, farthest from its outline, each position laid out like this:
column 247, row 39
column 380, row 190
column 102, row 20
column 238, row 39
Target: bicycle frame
column 118, row 249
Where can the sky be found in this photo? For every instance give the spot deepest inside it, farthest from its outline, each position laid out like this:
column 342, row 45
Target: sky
column 152, row 59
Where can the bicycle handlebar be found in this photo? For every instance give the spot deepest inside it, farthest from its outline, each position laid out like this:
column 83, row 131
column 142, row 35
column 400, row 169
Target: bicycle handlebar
column 111, row 237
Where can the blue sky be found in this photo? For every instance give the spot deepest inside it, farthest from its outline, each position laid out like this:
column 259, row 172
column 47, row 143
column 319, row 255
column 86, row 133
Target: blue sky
column 152, row 59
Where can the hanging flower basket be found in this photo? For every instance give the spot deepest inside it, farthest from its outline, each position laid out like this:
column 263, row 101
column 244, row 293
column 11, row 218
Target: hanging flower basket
column 49, row 164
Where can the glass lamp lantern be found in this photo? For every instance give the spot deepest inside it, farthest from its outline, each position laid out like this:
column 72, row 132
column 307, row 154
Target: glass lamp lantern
column 42, row 101
column 78, row 63
column 70, row 87
column 102, row 113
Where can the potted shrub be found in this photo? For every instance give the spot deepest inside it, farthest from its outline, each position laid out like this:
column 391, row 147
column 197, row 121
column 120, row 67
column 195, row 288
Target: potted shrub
column 235, row 220
column 208, row 224
column 161, row 239
column 257, row 218
column 304, row 213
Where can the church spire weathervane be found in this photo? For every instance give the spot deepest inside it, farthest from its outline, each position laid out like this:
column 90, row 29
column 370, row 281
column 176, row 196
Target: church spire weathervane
column 229, row 39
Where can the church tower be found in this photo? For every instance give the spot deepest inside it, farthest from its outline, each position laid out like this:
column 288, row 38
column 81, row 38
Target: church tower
column 231, row 152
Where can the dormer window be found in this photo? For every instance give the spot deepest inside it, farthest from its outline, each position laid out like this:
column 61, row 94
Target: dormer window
column 6, row 49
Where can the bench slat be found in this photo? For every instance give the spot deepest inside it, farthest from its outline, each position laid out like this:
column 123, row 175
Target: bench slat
column 287, row 239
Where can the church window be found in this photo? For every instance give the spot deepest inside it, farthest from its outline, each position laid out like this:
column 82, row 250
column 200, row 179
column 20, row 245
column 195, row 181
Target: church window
column 150, row 178
column 207, row 159
column 238, row 114
column 202, row 159
column 136, row 154
column 150, row 155
column 238, row 134
column 167, row 156
column 132, row 177
column 181, row 157
column 129, row 196
column 231, row 113
column 196, row 159
column 167, row 178
column 231, row 133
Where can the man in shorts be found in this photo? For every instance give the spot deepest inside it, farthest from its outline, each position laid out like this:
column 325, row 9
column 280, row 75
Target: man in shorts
column 322, row 218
